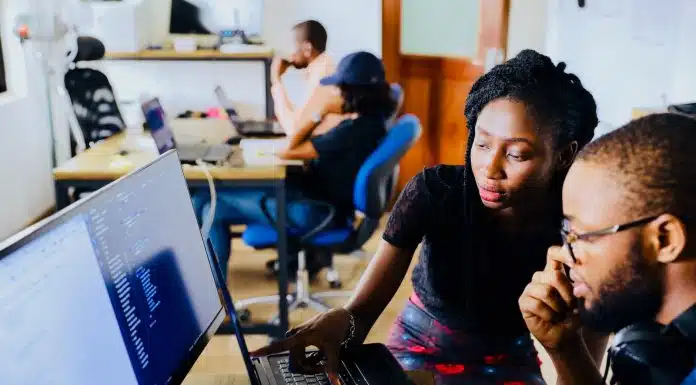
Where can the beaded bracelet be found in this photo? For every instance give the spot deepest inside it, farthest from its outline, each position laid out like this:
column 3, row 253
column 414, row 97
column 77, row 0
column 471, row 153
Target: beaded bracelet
column 351, row 331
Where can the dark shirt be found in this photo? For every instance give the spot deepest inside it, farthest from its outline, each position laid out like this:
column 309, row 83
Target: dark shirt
column 429, row 210
column 342, row 152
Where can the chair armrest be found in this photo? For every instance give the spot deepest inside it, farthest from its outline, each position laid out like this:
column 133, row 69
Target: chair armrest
column 312, row 232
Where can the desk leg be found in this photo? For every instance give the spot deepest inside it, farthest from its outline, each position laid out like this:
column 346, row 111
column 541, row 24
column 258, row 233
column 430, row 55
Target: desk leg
column 269, row 96
column 62, row 195
column 281, row 220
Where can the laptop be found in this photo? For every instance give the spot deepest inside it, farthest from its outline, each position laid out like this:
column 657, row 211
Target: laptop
column 118, row 289
column 245, row 127
column 163, row 136
column 369, row 364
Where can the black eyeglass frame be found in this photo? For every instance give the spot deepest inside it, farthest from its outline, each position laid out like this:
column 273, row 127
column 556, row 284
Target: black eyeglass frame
column 569, row 237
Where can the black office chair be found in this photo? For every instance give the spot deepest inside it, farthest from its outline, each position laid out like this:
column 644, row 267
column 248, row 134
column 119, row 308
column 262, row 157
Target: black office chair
column 91, row 97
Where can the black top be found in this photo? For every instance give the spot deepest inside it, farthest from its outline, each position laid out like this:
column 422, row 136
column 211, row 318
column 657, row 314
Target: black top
column 430, row 210
column 342, row 151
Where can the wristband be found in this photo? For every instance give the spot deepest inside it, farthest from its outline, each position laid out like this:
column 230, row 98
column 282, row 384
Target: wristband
column 351, row 331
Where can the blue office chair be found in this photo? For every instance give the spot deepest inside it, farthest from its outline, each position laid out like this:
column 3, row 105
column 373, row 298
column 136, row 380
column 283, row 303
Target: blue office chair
column 374, row 188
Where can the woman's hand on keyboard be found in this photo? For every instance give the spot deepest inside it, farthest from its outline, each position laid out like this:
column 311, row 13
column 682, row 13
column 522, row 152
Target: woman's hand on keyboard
column 325, row 331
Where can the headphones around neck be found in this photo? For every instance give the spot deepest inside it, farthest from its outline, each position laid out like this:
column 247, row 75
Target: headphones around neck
column 649, row 353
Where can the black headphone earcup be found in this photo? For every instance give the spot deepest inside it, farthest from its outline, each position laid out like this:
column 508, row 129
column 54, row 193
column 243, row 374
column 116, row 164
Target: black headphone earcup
column 641, row 352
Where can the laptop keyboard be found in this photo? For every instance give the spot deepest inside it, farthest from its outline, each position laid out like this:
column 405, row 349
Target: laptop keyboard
column 304, row 379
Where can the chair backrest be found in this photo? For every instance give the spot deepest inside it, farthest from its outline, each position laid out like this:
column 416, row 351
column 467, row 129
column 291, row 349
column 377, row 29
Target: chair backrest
column 376, row 179
column 397, row 94
column 94, row 103
column 92, row 97
column 373, row 184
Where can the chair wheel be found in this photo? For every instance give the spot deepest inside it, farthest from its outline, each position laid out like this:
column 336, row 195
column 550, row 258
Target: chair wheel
column 272, row 267
column 245, row 315
column 335, row 284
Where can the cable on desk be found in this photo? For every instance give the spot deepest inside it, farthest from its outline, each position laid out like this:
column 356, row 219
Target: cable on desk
column 208, row 220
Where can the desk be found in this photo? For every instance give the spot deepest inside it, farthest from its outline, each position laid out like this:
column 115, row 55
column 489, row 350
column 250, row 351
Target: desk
column 102, row 164
column 418, row 378
column 264, row 56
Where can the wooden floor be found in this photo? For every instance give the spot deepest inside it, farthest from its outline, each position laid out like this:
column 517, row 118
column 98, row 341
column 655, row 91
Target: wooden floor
column 247, row 279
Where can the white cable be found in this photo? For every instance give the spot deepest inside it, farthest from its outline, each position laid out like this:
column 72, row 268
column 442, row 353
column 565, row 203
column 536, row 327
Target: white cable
column 208, row 220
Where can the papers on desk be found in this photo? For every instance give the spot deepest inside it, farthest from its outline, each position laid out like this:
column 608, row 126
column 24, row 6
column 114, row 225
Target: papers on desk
column 262, row 151
column 264, row 145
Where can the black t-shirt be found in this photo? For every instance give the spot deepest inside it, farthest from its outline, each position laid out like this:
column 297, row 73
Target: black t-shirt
column 429, row 210
column 342, row 152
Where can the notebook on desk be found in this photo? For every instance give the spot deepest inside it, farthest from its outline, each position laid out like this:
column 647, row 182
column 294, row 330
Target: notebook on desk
column 265, row 151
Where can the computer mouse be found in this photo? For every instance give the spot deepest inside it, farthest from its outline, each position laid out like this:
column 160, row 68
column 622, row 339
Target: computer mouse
column 233, row 141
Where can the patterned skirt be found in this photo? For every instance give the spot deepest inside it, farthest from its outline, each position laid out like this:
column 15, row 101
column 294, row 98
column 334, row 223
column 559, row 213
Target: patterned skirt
column 420, row 342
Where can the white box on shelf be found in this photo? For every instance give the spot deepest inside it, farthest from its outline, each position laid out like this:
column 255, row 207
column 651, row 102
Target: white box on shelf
column 123, row 26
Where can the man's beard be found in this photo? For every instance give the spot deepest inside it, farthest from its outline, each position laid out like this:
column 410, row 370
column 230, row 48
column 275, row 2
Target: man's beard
column 632, row 293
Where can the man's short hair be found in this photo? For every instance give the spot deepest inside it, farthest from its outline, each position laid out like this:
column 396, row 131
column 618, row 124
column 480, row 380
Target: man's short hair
column 315, row 33
column 654, row 158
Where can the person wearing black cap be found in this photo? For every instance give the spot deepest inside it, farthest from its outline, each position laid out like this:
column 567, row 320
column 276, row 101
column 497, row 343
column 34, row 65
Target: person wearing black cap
column 332, row 159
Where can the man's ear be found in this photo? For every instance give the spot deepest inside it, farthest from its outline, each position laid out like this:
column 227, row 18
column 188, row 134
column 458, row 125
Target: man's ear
column 567, row 155
column 667, row 235
column 307, row 49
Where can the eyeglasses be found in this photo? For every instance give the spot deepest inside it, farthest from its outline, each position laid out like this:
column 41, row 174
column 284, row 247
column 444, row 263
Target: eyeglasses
column 570, row 237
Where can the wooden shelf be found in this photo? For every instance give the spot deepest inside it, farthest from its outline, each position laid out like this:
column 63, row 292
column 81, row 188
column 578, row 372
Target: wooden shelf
column 202, row 54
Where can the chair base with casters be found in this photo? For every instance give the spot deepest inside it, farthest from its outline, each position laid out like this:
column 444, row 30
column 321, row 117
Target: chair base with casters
column 321, row 262
column 373, row 190
column 301, row 299
column 264, row 236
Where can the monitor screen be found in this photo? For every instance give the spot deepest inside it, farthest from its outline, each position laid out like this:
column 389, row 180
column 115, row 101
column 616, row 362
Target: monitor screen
column 116, row 290
column 214, row 16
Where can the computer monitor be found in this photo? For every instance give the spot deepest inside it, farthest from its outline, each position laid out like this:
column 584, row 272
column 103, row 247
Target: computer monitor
column 114, row 290
column 213, row 16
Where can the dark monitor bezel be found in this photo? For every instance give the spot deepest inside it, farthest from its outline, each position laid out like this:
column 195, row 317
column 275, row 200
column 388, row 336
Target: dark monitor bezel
column 24, row 237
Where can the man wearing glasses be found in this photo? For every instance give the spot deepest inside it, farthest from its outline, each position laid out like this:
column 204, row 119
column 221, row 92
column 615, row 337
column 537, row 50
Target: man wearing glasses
column 627, row 265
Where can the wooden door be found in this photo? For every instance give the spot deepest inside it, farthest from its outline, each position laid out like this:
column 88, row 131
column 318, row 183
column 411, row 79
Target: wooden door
column 438, row 71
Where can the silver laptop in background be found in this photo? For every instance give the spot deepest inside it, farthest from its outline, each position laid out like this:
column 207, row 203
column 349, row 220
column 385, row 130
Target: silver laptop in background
column 163, row 136
column 247, row 127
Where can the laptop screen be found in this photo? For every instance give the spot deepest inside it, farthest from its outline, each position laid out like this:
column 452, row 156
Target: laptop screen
column 159, row 126
column 225, row 103
column 115, row 290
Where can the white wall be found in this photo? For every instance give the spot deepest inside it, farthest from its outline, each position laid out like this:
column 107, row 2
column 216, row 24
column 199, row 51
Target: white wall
column 528, row 22
column 354, row 25
column 25, row 142
column 629, row 53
